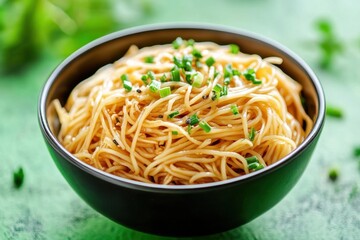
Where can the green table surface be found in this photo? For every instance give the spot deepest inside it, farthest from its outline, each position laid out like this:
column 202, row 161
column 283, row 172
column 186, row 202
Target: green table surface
column 45, row 207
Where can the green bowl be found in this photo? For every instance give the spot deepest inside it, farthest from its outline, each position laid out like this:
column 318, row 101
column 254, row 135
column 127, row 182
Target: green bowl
column 192, row 210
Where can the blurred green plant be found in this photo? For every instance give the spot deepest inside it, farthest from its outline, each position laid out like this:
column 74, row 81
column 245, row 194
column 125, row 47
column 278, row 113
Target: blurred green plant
column 329, row 43
column 29, row 28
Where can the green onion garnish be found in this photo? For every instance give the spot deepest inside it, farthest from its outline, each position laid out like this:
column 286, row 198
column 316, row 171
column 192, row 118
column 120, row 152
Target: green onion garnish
column 18, row 177
column 197, row 79
column 249, row 74
column 164, row 92
column 333, row 111
column 151, row 75
column 173, row 114
column 252, row 134
column 190, row 42
column 251, row 159
column 196, row 53
column 205, row 126
column 163, row 78
column 174, row 132
column 357, row 151
column 227, row 81
column 210, row 61
column 154, row 86
column 126, row 83
column 234, row 49
column 224, row 91
column 228, row 71
column 175, row 75
column 189, row 77
column 192, row 120
column 177, row 43
column 217, row 90
column 333, row 174
column 259, row 167
column 149, row 59
column 144, row 79
column 253, row 166
column 187, row 63
column 234, row 109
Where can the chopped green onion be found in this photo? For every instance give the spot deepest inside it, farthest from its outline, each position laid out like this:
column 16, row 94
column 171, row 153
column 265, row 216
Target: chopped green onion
column 259, row 167
column 234, row 109
column 18, row 177
column 333, row 111
column 216, row 74
column 173, row 114
column 256, row 81
column 251, row 159
column 357, row 151
column 177, row 62
column 187, row 63
column 333, row 174
column 154, row 86
column 177, row 43
column 217, row 90
column 224, row 91
column 234, row 49
column 198, row 79
column 198, row 64
column 164, row 92
column 235, row 72
column 175, row 75
column 227, row 81
column 210, row 61
column 252, row 134
column 189, row 127
column 196, row 53
column 188, row 77
column 149, row 59
column 151, row 75
column 249, row 74
column 253, row 166
column 205, row 126
column 126, row 83
column 228, row 71
column 163, row 78
column 174, row 132
column 192, row 120
column 144, row 79
column 190, row 42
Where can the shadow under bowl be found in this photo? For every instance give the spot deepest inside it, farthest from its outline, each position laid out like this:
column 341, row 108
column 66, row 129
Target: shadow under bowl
column 199, row 209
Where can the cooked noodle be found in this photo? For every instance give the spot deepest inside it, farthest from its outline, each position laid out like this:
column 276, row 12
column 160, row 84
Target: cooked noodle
column 137, row 134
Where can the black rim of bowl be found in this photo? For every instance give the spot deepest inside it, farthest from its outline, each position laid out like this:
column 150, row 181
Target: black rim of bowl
column 55, row 144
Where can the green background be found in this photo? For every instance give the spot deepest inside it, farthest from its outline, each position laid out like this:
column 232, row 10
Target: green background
column 45, row 207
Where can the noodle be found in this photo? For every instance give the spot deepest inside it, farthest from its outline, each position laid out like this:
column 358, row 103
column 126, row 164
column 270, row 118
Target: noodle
column 195, row 114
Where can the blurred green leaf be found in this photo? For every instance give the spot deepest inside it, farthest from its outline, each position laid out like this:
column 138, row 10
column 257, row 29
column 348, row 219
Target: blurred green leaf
column 329, row 43
column 30, row 27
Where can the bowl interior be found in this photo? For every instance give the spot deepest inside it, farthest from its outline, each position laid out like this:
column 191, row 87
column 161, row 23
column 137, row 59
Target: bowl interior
column 91, row 57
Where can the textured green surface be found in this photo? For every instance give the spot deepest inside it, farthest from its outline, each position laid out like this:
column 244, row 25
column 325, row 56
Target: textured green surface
column 46, row 208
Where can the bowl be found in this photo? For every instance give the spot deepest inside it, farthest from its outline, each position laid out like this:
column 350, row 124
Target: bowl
column 191, row 210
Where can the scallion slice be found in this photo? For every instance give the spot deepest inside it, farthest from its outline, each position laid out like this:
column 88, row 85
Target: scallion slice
column 193, row 120
column 164, row 92
column 249, row 74
column 251, row 159
column 196, row 53
column 333, row 111
column 154, row 86
column 177, row 43
column 126, row 83
column 217, row 90
column 190, row 42
column 175, row 75
column 252, row 134
column 149, row 59
column 198, row 79
column 253, row 166
column 205, row 126
column 234, row 109
column 210, row 61
column 234, row 49
column 174, row 132
column 173, row 114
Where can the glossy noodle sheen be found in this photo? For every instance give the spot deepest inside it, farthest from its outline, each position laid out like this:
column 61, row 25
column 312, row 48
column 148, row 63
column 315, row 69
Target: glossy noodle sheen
column 185, row 113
